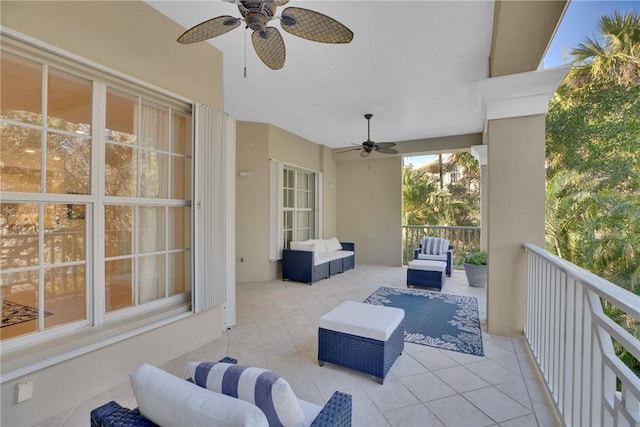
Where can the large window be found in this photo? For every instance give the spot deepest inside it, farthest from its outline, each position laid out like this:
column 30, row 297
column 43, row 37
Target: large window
column 95, row 189
column 299, row 205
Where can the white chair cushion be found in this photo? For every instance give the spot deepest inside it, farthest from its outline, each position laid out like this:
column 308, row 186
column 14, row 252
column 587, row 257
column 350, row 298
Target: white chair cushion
column 434, row 246
column 171, row 401
column 332, row 244
column 310, row 411
column 442, row 257
column 265, row 389
column 363, row 320
column 425, row 265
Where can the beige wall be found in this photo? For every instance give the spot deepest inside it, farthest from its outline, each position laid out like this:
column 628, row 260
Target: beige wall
column 128, row 36
column 516, row 215
column 369, row 200
column 252, row 203
column 257, row 143
column 328, row 193
column 136, row 40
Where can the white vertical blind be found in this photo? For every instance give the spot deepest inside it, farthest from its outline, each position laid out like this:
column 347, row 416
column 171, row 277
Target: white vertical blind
column 229, row 313
column 212, row 190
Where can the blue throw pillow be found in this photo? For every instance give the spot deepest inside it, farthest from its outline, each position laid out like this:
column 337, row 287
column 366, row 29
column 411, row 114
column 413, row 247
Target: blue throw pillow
column 265, row 389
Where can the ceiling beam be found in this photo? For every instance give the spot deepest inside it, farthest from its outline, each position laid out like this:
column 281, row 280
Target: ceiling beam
column 522, row 32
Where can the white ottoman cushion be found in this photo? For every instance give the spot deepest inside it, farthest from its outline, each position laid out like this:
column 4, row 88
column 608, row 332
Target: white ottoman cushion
column 363, row 320
column 418, row 264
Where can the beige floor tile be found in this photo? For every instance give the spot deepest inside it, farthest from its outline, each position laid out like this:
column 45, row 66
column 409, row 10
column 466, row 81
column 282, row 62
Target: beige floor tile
column 457, row 411
column 277, row 329
column 461, row 379
column 427, row 386
column 412, row 416
column 406, row 365
column 434, row 360
column 392, row 394
column 497, row 405
column 371, row 420
column 491, row 372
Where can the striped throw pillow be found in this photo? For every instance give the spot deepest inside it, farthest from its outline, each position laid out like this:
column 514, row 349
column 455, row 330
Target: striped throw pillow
column 434, row 246
column 265, row 389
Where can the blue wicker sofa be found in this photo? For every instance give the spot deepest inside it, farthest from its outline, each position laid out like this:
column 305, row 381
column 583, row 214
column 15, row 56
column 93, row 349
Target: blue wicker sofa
column 169, row 400
column 311, row 260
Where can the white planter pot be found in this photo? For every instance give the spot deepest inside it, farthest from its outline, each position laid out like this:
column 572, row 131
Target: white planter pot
column 476, row 274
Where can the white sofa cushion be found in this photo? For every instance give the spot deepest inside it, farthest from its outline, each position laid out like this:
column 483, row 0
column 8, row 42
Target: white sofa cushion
column 171, row 401
column 332, row 244
column 265, row 389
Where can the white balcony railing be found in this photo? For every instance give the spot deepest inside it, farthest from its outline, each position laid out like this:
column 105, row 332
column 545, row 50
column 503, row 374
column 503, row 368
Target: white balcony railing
column 572, row 341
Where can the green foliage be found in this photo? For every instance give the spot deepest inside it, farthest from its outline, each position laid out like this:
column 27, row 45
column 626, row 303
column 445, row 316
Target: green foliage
column 475, row 257
column 425, row 202
column 593, row 163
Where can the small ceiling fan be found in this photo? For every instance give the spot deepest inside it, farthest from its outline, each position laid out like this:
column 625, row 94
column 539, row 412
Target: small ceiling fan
column 267, row 41
column 368, row 146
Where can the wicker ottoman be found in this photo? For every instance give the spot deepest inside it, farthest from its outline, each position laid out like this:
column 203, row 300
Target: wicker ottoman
column 427, row 274
column 364, row 337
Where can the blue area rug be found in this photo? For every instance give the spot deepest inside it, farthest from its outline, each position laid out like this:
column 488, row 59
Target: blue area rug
column 449, row 322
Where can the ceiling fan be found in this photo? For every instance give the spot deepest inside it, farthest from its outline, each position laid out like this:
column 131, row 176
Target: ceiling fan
column 368, row 146
column 267, row 41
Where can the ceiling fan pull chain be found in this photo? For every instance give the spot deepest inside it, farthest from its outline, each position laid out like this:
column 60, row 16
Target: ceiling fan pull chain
column 245, row 54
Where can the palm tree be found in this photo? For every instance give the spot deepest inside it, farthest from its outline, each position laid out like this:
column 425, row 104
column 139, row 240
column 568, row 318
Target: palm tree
column 613, row 57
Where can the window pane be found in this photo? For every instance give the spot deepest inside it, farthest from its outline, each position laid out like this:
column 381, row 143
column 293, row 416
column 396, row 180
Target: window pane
column 288, row 220
column 303, row 220
column 20, row 240
column 68, row 164
column 65, row 240
column 288, row 237
column 154, row 132
column 69, row 103
column 181, row 135
column 20, row 151
column 20, row 90
column 118, row 284
column 302, row 199
column 121, row 117
column 179, row 273
column 120, row 171
column 20, row 300
column 64, row 295
column 153, row 172
column 181, row 178
column 152, row 228
column 118, row 233
column 151, row 281
column 179, row 228
column 289, row 197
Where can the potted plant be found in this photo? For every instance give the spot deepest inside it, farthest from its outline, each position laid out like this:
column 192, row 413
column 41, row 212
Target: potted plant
column 475, row 267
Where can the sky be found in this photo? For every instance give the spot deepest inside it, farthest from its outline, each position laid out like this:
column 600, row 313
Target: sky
column 579, row 22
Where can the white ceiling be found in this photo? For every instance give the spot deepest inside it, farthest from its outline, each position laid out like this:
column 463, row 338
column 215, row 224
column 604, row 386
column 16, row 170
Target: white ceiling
column 409, row 64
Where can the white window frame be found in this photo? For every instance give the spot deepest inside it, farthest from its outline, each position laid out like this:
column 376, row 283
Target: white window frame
column 277, row 209
column 102, row 77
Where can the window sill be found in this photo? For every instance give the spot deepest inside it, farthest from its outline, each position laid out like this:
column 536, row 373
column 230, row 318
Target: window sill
column 30, row 358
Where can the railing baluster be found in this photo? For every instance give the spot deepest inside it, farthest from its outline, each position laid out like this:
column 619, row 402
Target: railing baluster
column 571, row 340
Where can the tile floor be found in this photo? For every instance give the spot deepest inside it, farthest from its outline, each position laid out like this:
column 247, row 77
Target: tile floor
column 277, row 329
